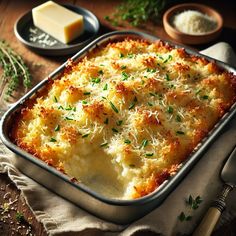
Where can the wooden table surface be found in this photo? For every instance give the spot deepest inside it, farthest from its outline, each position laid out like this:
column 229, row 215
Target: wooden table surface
column 11, row 223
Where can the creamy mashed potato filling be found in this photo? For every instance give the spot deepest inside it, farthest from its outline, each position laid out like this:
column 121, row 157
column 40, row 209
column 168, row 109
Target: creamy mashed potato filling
column 123, row 119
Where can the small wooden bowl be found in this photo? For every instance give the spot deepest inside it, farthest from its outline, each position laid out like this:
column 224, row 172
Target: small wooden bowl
column 189, row 38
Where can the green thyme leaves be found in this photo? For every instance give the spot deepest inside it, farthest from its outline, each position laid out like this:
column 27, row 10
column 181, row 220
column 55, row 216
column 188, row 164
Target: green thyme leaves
column 170, row 109
column 133, row 103
column 149, row 154
column 105, row 87
column 57, row 128
column 180, row 132
column 144, row 143
column 178, row 118
column 96, row 80
column 20, row 217
column 193, row 204
column 127, row 141
column 53, row 140
column 114, row 108
column 14, row 69
column 106, row 121
column 125, row 76
column 105, row 144
column 87, row 93
column 119, row 122
column 182, row 217
column 85, row 135
column 114, row 130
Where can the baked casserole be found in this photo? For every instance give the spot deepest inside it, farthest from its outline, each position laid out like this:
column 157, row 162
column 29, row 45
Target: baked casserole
column 123, row 118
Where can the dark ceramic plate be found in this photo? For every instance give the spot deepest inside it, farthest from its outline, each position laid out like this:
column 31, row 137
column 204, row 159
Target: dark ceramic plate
column 42, row 43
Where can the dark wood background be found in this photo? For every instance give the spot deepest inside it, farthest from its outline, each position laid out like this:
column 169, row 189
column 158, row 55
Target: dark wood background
column 41, row 66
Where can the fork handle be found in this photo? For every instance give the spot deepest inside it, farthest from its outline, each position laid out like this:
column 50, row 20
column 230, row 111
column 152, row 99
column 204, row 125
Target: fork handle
column 212, row 216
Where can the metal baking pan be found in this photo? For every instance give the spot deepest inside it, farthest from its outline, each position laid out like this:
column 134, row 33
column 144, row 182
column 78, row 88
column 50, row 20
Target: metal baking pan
column 117, row 211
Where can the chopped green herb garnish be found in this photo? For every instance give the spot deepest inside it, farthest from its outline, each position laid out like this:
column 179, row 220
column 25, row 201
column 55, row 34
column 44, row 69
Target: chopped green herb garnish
column 105, row 87
column 130, row 55
column 69, row 108
column 96, row 80
column 121, row 55
column 198, row 91
column 68, row 118
column 182, row 217
column 194, row 203
column 57, row 128
column 152, row 94
column 170, row 110
column 132, row 104
column 84, row 102
column 180, row 132
column 85, row 135
column 149, row 154
column 123, row 67
column 55, row 99
column 114, row 130
column 124, row 76
column 205, row 97
column 100, row 72
column 171, row 86
column 107, row 18
column 19, row 216
column 53, row 140
column 119, row 122
column 127, row 141
column 106, row 121
column 151, row 70
column 144, row 143
column 104, row 144
column 188, row 218
column 150, row 104
column 167, row 59
column 167, row 77
column 114, row 107
column 160, row 57
column 87, row 93
column 178, row 118
column 61, row 107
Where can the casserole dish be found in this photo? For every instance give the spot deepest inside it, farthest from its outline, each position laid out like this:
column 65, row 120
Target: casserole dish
column 115, row 210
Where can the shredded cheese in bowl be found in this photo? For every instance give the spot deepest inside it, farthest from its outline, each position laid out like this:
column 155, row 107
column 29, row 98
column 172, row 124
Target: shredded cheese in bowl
column 194, row 22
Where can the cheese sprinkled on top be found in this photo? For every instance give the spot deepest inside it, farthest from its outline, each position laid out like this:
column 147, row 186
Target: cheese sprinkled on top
column 194, row 22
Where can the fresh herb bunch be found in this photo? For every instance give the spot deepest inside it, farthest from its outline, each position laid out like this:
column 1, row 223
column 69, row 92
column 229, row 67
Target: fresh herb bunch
column 14, row 70
column 137, row 12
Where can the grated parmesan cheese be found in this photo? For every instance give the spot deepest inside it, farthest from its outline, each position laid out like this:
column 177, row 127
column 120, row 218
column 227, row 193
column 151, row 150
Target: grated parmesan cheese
column 194, row 22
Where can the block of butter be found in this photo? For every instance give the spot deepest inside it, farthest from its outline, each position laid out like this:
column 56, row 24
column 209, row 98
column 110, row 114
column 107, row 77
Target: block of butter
column 57, row 21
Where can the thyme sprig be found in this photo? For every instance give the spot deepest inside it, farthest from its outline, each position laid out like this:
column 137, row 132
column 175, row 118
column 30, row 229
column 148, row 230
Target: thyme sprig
column 14, row 70
column 137, row 12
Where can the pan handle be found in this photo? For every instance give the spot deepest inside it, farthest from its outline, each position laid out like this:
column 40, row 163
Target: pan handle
column 212, row 216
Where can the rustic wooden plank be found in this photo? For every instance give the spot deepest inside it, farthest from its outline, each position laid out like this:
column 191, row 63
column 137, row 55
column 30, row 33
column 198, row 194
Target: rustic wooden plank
column 12, row 205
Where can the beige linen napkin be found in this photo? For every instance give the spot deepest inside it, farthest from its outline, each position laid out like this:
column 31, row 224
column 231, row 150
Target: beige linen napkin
column 61, row 217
